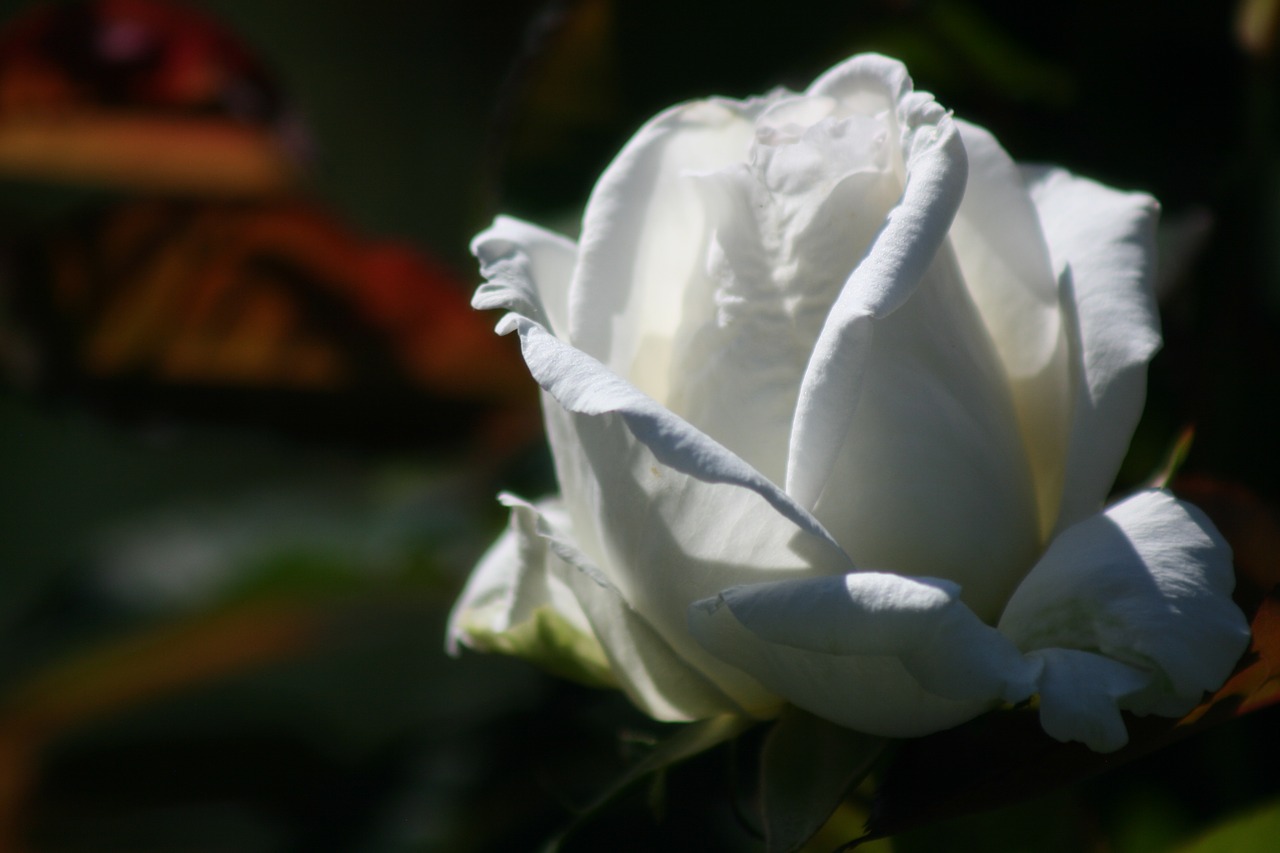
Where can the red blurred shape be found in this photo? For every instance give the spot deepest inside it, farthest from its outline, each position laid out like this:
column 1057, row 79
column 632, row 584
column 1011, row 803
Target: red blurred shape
column 141, row 94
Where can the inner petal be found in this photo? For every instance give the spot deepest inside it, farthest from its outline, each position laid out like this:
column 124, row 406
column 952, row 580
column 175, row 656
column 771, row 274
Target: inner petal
column 644, row 238
column 789, row 226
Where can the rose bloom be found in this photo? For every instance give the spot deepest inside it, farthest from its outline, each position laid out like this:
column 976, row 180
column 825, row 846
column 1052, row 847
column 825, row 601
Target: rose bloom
column 836, row 392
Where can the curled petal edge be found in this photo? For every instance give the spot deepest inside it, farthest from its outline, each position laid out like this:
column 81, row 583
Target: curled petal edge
column 527, row 269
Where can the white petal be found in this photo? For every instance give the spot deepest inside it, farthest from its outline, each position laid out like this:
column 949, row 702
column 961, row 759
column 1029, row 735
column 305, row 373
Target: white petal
column 668, row 515
column 1147, row 583
column 1004, row 259
column 511, row 588
column 880, row 653
column 584, row 386
column 1081, row 694
column 919, row 620
column 527, row 269
column 644, row 237
column 1103, row 241
column 881, row 283
column 666, row 538
column 865, row 83
column 932, row 478
column 656, row 679
column 777, row 263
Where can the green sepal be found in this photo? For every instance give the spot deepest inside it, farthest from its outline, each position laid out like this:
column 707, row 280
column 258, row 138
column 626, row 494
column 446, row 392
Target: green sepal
column 808, row 766
column 551, row 642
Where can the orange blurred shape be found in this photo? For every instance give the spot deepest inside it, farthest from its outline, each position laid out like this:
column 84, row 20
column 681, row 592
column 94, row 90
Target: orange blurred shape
column 140, row 94
column 272, row 294
column 1252, row 527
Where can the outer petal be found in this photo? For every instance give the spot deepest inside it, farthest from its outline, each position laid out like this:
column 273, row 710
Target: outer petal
column 880, row 653
column 644, row 237
column 1103, row 243
column 1004, row 259
column 1147, row 583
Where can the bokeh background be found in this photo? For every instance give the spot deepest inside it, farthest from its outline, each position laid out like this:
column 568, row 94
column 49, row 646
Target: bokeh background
column 250, row 434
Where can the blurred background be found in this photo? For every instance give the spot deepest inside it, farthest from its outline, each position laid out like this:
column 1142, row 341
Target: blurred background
column 251, row 433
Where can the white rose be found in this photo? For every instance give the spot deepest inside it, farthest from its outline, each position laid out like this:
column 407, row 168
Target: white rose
column 836, row 392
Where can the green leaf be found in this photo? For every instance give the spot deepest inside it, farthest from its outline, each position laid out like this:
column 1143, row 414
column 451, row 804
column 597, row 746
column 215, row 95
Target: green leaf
column 1253, row 832
column 686, row 742
column 1176, row 455
column 807, row 767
